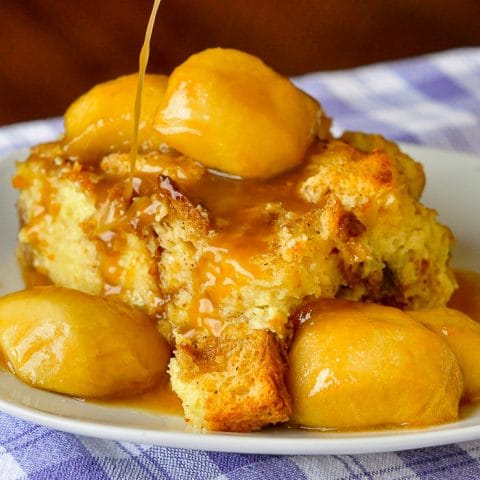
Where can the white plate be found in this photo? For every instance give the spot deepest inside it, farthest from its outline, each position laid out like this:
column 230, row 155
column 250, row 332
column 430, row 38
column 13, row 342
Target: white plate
column 453, row 188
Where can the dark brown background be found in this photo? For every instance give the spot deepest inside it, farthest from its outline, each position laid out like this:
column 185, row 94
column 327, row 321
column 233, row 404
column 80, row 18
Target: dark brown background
column 52, row 51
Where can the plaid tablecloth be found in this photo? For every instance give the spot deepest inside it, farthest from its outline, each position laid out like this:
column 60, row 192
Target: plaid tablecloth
column 432, row 100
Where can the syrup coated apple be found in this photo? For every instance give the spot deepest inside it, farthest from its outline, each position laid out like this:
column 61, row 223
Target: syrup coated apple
column 356, row 365
column 82, row 345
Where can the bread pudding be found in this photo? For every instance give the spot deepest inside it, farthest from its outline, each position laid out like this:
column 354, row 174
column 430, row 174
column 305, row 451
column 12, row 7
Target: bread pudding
column 240, row 208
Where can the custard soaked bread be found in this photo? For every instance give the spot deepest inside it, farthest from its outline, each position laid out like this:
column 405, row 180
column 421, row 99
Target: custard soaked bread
column 222, row 261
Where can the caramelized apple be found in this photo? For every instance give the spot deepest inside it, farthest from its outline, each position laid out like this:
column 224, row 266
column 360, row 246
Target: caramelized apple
column 101, row 120
column 229, row 111
column 463, row 336
column 70, row 342
column 356, row 365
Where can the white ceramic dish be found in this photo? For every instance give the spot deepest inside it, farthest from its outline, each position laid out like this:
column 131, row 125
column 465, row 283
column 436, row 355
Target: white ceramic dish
column 453, row 188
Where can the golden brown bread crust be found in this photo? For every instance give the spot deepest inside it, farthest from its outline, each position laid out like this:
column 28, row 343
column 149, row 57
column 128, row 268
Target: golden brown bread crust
column 412, row 172
column 352, row 228
column 234, row 382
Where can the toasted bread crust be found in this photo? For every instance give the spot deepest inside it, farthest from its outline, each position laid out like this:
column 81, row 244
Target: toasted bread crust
column 234, row 382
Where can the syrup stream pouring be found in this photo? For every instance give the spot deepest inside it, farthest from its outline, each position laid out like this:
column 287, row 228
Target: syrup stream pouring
column 142, row 67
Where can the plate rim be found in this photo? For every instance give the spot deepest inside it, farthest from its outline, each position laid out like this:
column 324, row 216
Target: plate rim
column 254, row 442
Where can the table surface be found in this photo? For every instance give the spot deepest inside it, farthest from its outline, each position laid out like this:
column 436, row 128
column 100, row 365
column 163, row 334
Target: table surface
column 432, row 100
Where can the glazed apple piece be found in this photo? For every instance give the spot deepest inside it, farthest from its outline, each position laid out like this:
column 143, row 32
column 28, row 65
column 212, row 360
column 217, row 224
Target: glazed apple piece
column 69, row 342
column 463, row 336
column 101, row 120
column 229, row 111
column 356, row 365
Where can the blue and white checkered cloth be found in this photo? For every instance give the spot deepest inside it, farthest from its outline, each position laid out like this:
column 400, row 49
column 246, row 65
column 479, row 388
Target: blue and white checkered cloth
column 432, row 100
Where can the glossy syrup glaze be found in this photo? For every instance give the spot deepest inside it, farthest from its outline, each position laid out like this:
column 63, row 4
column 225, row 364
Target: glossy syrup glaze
column 467, row 297
column 160, row 399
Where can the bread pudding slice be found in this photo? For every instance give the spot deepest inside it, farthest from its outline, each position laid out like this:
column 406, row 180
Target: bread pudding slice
column 222, row 263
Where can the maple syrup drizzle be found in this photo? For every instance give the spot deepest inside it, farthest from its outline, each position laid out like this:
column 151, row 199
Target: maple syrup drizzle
column 142, row 67
column 467, row 297
column 161, row 399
